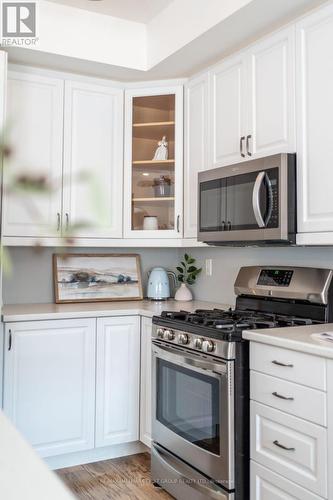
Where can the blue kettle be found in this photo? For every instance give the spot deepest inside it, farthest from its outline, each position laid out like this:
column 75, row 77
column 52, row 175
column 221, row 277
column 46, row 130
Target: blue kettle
column 158, row 284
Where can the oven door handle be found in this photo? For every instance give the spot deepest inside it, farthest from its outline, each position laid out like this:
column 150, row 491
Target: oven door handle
column 256, row 199
column 216, row 368
column 180, row 471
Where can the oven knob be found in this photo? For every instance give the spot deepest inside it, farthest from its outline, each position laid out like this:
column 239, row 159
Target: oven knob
column 198, row 343
column 168, row 335
column 208, row 346
column 160, row 332
column 183, row 338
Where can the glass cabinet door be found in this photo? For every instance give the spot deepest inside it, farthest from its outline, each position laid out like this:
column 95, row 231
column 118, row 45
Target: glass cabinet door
column 153, row 163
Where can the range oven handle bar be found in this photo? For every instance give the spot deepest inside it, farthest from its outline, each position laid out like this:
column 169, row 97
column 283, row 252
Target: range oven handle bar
column 215, row 367
column 180, row 471
column 256, row 199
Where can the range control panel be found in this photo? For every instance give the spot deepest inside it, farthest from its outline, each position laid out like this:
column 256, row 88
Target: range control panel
column 275, row 277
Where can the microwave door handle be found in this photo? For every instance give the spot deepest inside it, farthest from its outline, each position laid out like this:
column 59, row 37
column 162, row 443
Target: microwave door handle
column 256, row 199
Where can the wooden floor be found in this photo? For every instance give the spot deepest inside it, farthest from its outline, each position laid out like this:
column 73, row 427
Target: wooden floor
column 126, row 478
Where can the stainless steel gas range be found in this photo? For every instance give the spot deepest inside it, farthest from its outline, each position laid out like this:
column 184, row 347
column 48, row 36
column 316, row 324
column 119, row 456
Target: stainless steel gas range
column 201, row 379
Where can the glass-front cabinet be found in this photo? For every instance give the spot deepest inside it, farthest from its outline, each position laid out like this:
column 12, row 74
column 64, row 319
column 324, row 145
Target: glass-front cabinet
column 153, row 163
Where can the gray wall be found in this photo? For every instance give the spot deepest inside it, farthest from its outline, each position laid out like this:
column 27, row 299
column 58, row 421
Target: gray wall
column 31, row 279
column 227, row 261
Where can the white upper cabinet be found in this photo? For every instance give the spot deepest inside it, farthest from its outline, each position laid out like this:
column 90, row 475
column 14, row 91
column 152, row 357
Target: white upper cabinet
column 35, row 133
column 153, row 185
column 252, row 101
column 49, row 383
column 93, row 160
column 271, row 99
column 196, row 147
column 228, row 111
column 314, row 42
column 117, row 380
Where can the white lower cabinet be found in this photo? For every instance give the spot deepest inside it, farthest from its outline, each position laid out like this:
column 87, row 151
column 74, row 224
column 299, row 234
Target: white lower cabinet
column 145, row 392
column 49, row 383
column 117, row 380
column 290, row 424
column 267, row 485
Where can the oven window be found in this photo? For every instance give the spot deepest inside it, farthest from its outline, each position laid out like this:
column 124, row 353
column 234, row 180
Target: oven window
column 188, row 404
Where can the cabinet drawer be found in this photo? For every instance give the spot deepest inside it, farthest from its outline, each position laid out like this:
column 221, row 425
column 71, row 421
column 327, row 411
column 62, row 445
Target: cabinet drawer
column 290, row 365
column 289, row 397
column 290, row 446
column 266, row 485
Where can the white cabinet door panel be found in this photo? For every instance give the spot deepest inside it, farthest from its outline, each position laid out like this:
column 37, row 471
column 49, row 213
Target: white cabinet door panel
column 145, row 393
column 93, row 160
column 35, row 133
column 271, row 96
column 314, row 41
column 227, row 111
column 117, row 380
column 266, row 485
column 292, row 447
column 49, row 383
column 289, row 397
column 196, row 147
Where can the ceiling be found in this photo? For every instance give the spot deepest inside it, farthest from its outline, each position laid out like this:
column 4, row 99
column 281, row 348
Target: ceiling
column 133, row 10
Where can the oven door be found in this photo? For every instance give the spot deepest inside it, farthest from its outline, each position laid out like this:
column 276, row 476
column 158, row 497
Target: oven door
column 193, row 404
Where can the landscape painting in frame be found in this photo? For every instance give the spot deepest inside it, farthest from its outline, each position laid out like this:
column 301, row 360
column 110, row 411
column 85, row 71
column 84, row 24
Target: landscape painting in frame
column 96, row 277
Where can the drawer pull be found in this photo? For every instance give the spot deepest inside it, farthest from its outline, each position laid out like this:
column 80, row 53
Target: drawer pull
column 276, row 442
column 287, row 398
column 282, row 364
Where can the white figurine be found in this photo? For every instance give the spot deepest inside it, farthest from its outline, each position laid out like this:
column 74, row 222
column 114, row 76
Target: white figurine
column 161, row 152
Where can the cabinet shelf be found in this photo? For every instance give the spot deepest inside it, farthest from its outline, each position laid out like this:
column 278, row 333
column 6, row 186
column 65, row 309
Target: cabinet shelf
column 153, row 162
column 154, row 124
column 161, row 198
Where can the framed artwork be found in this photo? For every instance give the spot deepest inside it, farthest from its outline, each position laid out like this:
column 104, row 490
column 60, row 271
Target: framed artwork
column 96, row 277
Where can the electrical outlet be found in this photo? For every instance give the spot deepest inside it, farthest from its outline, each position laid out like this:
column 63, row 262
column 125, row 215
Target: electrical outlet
column 209, row 267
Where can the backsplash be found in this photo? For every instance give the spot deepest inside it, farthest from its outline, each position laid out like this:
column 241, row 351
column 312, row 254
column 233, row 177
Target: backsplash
column 31, row 280
column 227, row 261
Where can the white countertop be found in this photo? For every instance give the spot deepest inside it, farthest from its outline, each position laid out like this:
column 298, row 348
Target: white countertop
column 148, row 308
column 23, row 475
column 297, row 338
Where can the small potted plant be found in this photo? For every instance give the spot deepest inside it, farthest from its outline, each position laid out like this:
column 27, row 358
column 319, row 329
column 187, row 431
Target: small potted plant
column 188, row 274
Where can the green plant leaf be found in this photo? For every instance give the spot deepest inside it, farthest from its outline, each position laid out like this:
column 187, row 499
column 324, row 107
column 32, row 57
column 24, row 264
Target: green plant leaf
column 191, row 269
column 181, row 278
column 180, row 269
column 183, row 264
column 186, row 257
column 191, row 260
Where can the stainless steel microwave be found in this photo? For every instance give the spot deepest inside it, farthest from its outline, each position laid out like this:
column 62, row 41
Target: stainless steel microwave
column 252, row 202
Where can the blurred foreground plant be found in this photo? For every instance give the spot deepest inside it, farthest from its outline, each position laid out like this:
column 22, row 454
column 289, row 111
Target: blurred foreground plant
column 29, row 187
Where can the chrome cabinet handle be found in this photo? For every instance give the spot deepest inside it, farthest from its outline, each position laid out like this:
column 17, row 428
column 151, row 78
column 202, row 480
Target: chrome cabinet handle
column 256, row 199
column 287, row 365
column 276, row 442
column 241, row 145
column 229, row 225
column 286, row 398
column 58, row 221
column 248, row 137
column 223, row 225
column 67, row 221
column 178, row 223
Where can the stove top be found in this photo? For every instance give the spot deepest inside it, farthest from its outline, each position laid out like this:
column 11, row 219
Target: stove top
column 227, row 324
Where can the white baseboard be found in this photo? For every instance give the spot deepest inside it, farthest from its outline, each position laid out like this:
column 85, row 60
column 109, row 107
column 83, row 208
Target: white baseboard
column 95, row 455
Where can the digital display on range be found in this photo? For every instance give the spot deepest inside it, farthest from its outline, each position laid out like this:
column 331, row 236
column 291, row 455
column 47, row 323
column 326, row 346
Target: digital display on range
column 275, row 277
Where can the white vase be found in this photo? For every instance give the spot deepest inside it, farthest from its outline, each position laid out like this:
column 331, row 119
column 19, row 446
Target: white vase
column 183, row 293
